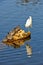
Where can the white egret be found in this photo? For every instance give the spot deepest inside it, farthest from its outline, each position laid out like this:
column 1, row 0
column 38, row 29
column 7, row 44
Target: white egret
column 29, row 22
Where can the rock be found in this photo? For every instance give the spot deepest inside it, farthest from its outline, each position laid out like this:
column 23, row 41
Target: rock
column 15, row 30
column 16, row 36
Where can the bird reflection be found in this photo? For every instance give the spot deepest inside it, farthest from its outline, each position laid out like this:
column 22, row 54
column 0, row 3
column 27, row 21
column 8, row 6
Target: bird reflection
column 25, row 1
column 28, row 50
column 33, row 1
column 28, row 1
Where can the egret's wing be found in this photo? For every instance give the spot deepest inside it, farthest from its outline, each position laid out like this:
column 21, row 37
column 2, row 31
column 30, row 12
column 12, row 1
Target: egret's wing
column 27, row 23
column 30, row 21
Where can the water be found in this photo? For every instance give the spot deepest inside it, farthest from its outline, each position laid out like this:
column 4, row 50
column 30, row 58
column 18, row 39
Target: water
column 16, row 12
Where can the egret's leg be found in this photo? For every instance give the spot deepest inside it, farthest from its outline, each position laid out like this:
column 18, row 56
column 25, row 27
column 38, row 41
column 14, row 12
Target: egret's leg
column 29, row 29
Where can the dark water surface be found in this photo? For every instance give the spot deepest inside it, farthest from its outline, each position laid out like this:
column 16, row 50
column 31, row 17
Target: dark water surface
column 16, row 12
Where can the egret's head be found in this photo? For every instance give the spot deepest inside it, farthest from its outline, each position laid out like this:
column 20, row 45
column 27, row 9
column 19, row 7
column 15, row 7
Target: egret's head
column 29, row 16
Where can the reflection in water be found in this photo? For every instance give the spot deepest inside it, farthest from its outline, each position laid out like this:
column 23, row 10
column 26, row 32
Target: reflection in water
column 1, row 46
column 35, row 1
column 28, row 50
column 22, row 1
column 25, row 1
column 28, row 1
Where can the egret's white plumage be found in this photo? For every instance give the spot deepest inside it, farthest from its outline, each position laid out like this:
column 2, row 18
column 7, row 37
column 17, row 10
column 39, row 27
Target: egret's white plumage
column 29, row 22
